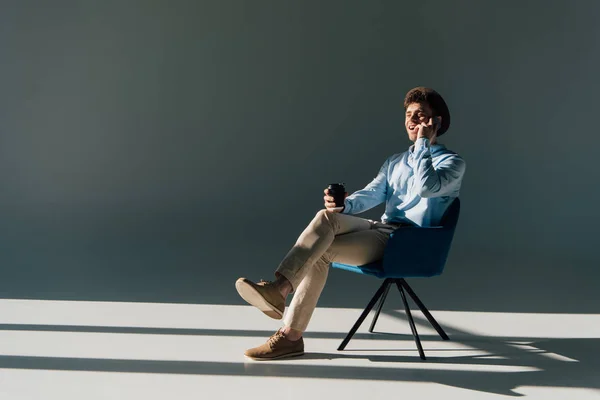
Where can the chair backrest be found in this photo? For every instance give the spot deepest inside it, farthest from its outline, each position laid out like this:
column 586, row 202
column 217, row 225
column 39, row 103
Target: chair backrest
column 448, row 224
column 421, row 252
column 450, row 218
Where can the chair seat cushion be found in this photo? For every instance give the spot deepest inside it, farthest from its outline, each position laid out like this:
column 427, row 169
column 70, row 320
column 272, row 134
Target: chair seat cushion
column 373, row 269
column 376, row 269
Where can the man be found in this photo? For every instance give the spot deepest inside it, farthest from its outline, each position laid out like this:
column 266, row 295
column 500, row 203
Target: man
column 417, row 187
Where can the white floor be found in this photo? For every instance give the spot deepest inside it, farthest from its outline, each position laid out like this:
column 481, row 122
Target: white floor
column 99, row 350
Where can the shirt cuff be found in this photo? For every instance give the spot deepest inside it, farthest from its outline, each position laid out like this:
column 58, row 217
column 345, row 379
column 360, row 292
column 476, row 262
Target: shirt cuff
column 422, row 143
column 346, row 206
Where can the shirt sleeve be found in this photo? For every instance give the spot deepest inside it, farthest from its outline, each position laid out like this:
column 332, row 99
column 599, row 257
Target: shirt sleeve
column 372, row 195
column 441, row 180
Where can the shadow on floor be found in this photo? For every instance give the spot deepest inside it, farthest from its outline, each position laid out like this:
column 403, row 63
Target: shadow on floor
column 580, row 374
column 548, row 369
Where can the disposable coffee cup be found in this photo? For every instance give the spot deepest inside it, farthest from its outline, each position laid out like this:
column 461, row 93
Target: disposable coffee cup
column 337, row 191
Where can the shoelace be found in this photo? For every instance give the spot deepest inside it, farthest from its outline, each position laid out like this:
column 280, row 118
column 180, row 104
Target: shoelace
column 273, row 340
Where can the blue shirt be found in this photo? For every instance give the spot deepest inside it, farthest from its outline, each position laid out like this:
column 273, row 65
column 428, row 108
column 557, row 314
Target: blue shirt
column 417, row 186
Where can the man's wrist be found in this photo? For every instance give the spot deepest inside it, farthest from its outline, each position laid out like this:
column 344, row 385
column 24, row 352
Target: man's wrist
column 425, row 142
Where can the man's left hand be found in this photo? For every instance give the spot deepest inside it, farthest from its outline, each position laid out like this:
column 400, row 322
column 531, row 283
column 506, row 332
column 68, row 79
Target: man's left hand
column 428, row 130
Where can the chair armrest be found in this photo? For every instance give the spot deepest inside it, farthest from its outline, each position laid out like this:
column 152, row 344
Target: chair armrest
column 415, row 251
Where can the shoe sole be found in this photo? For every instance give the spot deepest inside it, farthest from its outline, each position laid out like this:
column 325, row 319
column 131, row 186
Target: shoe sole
column 254, row 298
column 289, row 355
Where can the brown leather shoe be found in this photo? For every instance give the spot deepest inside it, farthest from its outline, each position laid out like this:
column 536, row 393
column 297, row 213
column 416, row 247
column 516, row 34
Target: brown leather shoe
column 262, row 295
column 276, row 347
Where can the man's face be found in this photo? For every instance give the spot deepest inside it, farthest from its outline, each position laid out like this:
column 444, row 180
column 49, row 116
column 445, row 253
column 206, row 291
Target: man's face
column 416, row 113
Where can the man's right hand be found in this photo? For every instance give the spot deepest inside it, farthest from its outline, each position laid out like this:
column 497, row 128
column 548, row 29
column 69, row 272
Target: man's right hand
column 330, row 203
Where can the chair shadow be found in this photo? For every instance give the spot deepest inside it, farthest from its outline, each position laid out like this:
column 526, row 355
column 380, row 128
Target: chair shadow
column 557, row 362
column 549, row 362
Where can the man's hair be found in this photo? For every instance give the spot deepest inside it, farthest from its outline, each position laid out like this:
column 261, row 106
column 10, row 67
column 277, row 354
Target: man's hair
column 436, row 102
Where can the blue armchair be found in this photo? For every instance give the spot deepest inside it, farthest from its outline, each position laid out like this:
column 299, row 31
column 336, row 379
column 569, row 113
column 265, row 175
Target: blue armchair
column 410, row 252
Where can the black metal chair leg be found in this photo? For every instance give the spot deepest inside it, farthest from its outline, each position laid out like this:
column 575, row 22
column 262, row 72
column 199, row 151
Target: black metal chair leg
column 424, row 310
column 411, row 321
column 364, row 315
column 380, row 306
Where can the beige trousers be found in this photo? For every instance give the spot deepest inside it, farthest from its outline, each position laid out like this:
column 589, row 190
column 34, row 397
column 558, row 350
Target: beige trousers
column 330, row 237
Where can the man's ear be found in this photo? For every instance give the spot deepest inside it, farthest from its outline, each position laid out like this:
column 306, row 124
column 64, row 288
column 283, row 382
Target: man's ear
column 438, row 122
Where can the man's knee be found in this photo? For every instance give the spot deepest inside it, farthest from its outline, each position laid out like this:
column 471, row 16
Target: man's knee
column 325, row 216
column 321, row 213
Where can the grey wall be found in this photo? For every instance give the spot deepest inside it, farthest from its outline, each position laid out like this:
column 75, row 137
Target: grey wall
column 157, row 150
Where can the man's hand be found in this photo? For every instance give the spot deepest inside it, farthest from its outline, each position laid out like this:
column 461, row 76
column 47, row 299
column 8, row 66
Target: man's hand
column 330, row 203
column 429, row 130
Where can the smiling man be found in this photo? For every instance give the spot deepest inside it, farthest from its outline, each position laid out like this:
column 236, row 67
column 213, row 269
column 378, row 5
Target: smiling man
column 417, row 187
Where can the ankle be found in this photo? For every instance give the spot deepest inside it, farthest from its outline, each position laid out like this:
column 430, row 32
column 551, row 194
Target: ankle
column 291, row 334
column 283, row 285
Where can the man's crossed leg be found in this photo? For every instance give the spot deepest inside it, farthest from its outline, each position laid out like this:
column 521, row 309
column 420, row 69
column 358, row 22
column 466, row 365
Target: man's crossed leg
column 330, row 237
